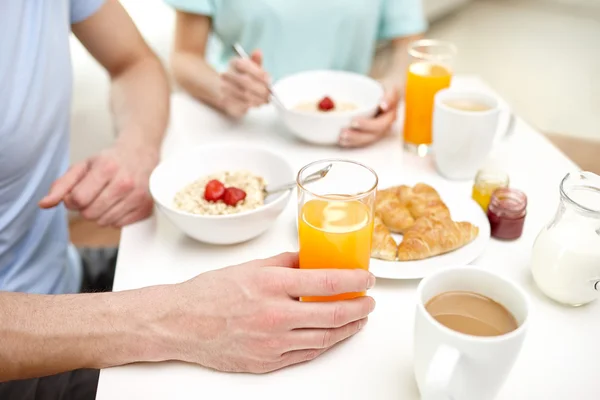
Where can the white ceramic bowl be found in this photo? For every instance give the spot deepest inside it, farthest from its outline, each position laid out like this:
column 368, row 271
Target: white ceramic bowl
column 324, row 127
column 173, row 174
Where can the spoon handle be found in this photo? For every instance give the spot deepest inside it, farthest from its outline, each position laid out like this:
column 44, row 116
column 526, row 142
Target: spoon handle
column 310, row 178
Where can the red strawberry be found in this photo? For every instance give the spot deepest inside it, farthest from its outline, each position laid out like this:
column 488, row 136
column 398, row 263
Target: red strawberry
column 214, row 190
column 233, row 196
column 326, row 104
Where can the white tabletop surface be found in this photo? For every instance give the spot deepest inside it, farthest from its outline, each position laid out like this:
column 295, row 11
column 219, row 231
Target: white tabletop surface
column 561, row 355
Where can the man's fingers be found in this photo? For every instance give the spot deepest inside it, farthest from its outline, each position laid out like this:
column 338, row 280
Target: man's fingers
column 287, row 260
column 326, row 282
column 86, row 191
column 334, row 314
column 63, row 185
column 294, row 357
column 137, row 214
column 116, row 190
column 324, row 338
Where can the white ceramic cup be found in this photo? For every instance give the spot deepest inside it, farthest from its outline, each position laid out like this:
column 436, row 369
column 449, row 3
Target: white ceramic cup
column 462, row 140
column 450, row 365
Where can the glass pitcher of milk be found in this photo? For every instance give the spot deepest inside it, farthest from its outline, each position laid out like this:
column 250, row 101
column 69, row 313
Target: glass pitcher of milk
column 566, row 254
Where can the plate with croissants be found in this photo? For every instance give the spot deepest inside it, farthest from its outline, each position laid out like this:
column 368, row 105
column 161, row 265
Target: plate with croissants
column 417, row 232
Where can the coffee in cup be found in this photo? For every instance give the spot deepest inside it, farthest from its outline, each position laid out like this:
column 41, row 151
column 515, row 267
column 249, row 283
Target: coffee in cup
column 471, row 313
column 466, row 104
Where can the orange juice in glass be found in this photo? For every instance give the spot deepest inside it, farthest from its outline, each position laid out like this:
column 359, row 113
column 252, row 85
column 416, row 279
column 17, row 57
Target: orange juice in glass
column 428, row 72
column 335, row 218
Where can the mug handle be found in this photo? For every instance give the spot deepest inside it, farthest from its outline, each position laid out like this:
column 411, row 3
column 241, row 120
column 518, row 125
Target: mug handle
column 440, row 373
column 510, row 126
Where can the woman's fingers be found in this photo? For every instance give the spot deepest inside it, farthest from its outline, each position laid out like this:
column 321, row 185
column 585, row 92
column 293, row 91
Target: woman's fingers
column 353, row 138
column 254, row 91
column 380, row 124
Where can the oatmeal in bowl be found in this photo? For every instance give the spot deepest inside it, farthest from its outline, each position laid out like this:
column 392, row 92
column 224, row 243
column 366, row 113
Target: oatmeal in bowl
column 326, row 104
column 215, row 193
column 222, row 193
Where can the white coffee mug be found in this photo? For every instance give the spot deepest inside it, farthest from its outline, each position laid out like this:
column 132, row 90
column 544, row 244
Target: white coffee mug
column 450, row 365
column 462, row 140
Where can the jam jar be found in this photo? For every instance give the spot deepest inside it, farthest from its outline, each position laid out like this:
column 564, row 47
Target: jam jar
column 506, row 212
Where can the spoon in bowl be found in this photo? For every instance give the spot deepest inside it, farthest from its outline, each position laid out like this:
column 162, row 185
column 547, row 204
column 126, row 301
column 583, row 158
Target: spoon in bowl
column 315, row 176
column 239, row 50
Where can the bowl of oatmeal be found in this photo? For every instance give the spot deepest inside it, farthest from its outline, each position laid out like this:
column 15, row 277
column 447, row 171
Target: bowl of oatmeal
column 215, row 193
column 317, row 105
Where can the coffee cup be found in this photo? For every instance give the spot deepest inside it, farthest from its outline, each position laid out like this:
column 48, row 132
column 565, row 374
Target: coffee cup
column 451, row 364
column 466, row 125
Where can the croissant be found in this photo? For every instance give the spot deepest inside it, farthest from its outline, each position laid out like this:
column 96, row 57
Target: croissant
column 422, row 207
column 431, row 236
column 404, row 193
column 425, row 191
column 384, row 246
column 394, row 215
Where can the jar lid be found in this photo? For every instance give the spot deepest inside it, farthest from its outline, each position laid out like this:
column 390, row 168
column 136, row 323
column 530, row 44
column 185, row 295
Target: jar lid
column 492, row 175
column 508, row 201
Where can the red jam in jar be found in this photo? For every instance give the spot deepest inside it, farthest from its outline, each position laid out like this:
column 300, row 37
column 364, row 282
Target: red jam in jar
column 506, row 212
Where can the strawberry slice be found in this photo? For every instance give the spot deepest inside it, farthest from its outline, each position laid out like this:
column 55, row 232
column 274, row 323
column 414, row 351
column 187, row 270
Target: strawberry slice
column 214, row 190
column 326, row 104
column 233, row 196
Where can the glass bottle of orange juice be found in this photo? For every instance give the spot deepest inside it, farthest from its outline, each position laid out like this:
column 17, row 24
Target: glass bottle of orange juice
column 335, row 218
column 430, row 70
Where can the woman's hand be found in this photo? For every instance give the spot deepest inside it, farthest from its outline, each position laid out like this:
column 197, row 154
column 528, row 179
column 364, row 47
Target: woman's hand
column 244, row 85
column 365, row 131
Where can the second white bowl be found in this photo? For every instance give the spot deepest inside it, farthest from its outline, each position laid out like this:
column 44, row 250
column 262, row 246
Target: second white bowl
column 324, row 127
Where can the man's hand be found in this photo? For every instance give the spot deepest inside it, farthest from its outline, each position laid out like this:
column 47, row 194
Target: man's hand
column 365, row 131
column 110, row 188
column 247, row 318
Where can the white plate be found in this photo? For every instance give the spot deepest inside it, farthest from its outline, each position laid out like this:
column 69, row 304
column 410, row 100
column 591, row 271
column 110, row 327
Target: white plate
column 461, row 209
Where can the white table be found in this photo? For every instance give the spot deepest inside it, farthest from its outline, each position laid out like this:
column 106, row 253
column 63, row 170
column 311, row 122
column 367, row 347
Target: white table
column 560, row 358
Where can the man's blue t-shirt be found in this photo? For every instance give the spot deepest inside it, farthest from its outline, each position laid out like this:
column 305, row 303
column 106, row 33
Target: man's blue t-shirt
column 35, row 103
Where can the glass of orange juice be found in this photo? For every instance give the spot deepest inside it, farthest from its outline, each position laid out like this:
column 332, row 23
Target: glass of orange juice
column 335, row 218
column 430, row 70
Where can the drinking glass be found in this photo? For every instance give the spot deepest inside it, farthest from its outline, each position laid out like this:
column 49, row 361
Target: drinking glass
column 430, row 70
column 335, row 218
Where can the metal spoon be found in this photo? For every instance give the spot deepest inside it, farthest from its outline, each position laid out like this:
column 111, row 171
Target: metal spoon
column 242, row 53
column 315, row 176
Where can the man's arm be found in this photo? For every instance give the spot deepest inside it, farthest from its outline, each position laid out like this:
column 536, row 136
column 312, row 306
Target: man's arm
column 112, row 187
column 42, row 335
column 139, row 92
column 244, row 318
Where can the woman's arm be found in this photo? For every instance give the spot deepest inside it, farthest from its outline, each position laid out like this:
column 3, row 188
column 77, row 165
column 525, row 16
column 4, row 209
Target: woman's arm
column 188, row 62
column 394, row 75
column 243, row 86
